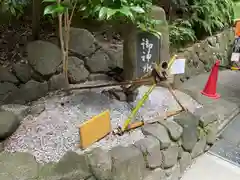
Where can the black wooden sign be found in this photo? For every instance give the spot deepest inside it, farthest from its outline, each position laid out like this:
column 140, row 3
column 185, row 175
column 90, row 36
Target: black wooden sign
column 148, row 52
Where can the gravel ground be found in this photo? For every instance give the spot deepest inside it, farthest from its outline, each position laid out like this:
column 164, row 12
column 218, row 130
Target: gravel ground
column 52, row 133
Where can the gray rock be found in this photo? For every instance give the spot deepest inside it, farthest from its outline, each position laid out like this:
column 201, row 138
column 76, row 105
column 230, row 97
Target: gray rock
column 199, row 146
column 57, row 82
column 174, row 129
column 158, row 131
column 76, row 70
column 9, row 123
column 212, row 40
column 100, row 163
column 1, row 147
column 156, row 174
column 20, row 110
column 91, row 178
column 212, row 131
column 6, row 76
column 81, row 41
column 30, row 91
column 22, row 71
column 205, row 116
column 98, row 76
column 180, row 152
column 44, row 57
column 18, row 165
column 173, row 173
column 185, row 161
column 118, row 94
column 128, row 163
column 5, row 89
column 72, row 165
column 207, row 147
column 116, row 56
column 150, row 148
column 189, row 124
column 37, row 108
column 170, row 156
column 98, row 62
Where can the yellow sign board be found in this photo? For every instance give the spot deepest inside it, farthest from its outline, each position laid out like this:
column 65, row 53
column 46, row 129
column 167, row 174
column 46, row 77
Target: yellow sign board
column 95, row 129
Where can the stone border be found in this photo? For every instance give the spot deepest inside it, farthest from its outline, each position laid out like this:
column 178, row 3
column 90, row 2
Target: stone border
column 167, row 150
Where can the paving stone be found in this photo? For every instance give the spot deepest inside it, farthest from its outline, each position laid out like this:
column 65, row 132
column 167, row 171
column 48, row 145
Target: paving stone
column 170, row 156
column 100, row 163
column 128, row 163
column 232, row 130
column 227, row 150
column 185, row 161
column 189, row 124
column 150, row 148
column 158, row 131
column 174, row 129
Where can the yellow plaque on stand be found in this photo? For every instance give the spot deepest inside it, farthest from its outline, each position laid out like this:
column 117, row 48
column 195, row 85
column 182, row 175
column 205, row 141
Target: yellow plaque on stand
column 95, row 129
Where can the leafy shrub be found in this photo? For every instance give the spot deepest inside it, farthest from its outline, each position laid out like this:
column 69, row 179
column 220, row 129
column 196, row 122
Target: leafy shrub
column 180, row 32
column 15, row 7
column 201, row 18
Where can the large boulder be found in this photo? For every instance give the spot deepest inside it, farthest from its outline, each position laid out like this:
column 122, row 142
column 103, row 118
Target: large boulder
column 115, row 54
column 189, row 124
column 81, row 42
column 57, row 82
column 99, row 61
column 159, row 132
column 150, row 147
column 76, row 70
column 5, row 89
column 19, row 110
column 9, row 122
column 30, row 91
column 6, row 76
column 44, row 57
column 23, row 72
column 100, row 163
column 128, row 163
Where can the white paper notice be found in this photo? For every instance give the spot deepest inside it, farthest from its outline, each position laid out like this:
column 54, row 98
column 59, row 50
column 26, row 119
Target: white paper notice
column 178, row 66
column 235, row 57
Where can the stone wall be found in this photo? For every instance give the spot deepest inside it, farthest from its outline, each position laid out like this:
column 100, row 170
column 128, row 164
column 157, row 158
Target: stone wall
column 40, row 72
column 168, row 149
column 89, row 60
column 202, row 55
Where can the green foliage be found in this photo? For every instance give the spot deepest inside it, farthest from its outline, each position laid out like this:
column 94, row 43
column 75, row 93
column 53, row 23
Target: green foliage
column 15, row 7
column 200, row 18
column 181, row 31
column 127, row 11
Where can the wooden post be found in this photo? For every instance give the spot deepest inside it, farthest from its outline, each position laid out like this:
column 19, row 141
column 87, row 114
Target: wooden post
column 36, row 13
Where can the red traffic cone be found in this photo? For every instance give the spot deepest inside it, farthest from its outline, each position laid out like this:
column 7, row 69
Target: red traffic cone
column 211, row 86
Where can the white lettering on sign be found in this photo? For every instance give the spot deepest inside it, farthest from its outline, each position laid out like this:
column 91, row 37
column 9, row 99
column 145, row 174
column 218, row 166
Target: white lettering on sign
column 146, row 55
